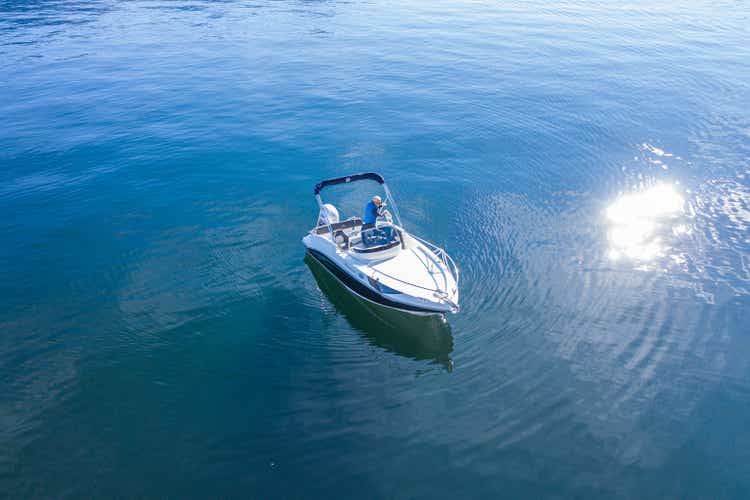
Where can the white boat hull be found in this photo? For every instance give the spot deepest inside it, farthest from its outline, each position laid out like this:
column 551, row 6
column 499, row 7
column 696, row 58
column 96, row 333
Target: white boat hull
column 414, row 279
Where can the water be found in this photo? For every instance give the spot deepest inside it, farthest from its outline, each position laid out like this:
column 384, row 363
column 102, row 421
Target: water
column 585, row 163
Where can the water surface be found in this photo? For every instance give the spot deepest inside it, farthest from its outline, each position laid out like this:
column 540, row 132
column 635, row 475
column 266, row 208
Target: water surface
column 585, row 163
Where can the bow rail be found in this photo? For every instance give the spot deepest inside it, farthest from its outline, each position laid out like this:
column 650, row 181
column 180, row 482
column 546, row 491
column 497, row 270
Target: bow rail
column 447, row 261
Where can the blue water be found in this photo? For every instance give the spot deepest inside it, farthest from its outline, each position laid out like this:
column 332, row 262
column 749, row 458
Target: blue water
column 587, row 164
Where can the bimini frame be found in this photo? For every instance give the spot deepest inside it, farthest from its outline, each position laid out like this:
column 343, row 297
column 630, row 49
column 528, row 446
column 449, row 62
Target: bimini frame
column 372, row 176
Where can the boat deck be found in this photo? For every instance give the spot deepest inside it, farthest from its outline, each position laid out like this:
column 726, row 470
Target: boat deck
column 414, row 271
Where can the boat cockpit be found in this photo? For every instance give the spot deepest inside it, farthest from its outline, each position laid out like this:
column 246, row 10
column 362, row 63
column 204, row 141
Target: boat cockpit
column 383, row 240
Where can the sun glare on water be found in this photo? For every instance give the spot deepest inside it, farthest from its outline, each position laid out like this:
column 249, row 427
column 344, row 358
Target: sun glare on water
column 637, row 221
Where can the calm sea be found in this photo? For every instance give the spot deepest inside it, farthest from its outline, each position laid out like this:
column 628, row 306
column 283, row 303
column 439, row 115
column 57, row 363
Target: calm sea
column 587, row 165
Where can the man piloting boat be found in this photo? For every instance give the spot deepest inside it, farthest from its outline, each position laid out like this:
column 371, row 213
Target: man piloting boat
column 371, row 212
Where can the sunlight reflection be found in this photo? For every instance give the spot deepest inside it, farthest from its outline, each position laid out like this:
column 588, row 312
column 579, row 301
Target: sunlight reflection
column 635, row 221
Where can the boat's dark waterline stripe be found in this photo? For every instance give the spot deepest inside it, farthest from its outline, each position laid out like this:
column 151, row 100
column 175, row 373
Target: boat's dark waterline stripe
column 361, row 289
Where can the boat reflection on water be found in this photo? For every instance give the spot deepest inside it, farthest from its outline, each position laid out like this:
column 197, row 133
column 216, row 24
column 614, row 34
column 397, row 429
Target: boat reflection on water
column 416, row 337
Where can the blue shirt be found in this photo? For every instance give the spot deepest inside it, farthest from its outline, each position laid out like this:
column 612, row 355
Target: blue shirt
column 371, row 213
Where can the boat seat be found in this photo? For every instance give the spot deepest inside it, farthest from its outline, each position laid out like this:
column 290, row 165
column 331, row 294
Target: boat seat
column 377, row 240
column 378, row 236
column 341, row 239
column 345, row 224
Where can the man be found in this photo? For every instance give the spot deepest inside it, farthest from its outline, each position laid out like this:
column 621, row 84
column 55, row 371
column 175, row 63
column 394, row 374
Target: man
column 371, row 212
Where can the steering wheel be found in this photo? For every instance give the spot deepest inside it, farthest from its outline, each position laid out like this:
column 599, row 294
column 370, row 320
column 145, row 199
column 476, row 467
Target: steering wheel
column 384, row 213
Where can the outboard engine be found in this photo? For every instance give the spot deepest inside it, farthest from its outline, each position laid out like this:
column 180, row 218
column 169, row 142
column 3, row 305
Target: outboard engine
column 328, row 215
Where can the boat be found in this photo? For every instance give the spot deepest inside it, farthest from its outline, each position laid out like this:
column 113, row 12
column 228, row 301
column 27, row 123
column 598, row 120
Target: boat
column 382, row 263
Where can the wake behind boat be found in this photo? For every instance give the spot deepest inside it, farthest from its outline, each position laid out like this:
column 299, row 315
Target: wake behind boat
column 378, row 260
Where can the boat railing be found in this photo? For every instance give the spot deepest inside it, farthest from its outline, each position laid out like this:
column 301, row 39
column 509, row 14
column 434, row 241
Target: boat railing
column 443, row 255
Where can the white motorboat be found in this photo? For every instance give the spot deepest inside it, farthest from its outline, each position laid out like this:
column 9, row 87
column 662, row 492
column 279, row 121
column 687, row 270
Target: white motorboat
column 383, row 264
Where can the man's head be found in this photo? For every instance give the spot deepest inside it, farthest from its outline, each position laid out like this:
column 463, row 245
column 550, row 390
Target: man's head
column 376, row 200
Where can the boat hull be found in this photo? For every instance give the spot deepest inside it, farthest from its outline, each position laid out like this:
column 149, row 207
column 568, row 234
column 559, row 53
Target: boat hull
column 367, row 293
